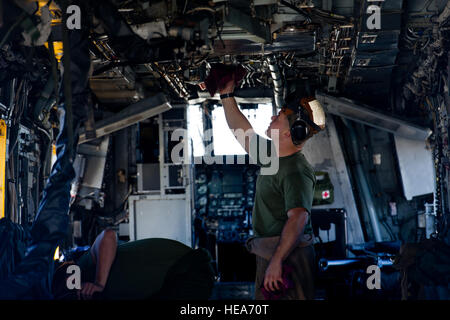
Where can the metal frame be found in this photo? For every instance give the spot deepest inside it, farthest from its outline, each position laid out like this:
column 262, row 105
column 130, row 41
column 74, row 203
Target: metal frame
column 139, row 111
column 259, row 31
column 324, row 152
column 162, row 194
column 348, row 109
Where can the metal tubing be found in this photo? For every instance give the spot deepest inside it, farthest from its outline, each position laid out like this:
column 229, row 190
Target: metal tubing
column 364, row 184
column 277, row 82
column 324, row 264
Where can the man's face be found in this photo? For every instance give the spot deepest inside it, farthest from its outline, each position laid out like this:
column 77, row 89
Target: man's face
column 279, row 122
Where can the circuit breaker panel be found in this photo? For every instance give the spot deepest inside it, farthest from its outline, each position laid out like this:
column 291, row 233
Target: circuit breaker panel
column 161, row 205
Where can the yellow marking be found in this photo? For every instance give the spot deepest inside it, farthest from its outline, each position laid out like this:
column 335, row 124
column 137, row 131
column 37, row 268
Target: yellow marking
column 53, row 154
column 57, row 254
column 58, row 47
column 3, row 129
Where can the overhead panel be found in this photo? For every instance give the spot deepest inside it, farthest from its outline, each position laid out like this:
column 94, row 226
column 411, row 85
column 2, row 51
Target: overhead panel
column 302, row 42
column 375, row 53
column 258, row 29
column 370, row 41
column 343, row 7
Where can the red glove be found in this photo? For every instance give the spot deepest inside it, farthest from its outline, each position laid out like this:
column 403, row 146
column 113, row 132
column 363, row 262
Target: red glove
column 221, row 74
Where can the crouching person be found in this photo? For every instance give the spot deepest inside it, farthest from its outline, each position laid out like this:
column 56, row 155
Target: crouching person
column 157, row 269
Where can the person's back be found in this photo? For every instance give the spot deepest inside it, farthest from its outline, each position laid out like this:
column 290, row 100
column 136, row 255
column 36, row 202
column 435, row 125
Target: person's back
column 154, row 269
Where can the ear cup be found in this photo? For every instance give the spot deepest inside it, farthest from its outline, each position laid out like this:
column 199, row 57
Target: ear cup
column 299, row 131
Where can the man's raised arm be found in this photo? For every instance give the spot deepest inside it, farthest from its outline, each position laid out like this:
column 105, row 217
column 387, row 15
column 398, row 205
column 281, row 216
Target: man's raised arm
column 235, row 118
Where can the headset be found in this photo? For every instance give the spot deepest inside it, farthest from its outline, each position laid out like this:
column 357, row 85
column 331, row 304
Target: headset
column 303, row 128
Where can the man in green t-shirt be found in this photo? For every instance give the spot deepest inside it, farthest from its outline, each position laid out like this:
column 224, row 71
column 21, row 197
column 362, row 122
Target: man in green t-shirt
column 281, row 214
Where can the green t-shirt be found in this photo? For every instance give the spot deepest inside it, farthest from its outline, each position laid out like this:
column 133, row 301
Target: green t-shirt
column 142, row 267
column 292, row 186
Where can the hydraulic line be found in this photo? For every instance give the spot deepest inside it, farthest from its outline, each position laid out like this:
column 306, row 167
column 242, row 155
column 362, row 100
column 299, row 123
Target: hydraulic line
column 277, row 82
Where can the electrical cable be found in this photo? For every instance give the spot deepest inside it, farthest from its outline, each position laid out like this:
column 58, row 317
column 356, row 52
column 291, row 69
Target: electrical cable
column 67, row 81
column 19, row 20
column 299, row 10
column 54, row 66
column 329, row 17
column 45, row 132
column 389, row 230
column 201, row 9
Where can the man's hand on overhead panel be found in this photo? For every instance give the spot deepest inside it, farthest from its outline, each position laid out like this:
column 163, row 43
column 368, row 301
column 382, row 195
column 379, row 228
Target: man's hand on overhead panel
column 229, row 86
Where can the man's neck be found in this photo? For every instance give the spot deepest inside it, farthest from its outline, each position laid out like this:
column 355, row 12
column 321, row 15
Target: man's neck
column 288, row 150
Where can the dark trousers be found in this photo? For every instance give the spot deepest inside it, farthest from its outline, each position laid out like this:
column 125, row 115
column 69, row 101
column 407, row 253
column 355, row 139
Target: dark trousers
column 302, row 259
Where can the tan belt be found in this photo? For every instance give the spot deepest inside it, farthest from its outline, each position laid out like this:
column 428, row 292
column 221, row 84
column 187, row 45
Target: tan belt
column 265, row 246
